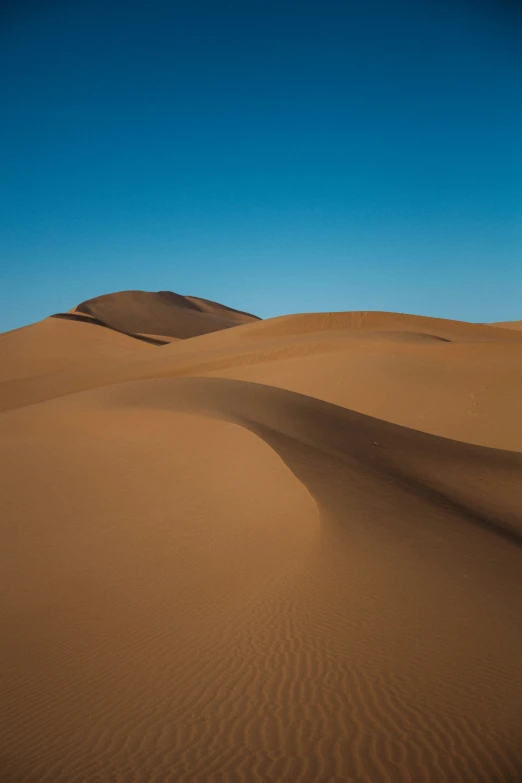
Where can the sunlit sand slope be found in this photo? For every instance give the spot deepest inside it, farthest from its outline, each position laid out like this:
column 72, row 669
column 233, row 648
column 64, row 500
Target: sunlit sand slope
column 448, row 378
column 212, row 579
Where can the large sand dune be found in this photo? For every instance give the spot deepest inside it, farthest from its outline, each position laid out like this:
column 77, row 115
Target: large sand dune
column 288, row 551
column 161, row 313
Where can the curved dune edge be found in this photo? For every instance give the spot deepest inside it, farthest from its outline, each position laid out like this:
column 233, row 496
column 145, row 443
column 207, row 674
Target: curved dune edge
column 381, row 644
column 415, row 462
column 455, row 386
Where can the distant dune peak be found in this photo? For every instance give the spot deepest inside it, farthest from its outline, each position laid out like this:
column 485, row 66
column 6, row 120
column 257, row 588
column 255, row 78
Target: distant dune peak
column 161, row 313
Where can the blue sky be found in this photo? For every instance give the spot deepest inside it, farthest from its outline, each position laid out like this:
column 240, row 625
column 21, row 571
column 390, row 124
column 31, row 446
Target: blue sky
column 276, row 156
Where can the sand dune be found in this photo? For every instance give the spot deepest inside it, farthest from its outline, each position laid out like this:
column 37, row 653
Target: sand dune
column 54, row 344
column 396, row 323
column 453, row 379
column 161, row 313
column 105, row 328
column 510, row 325
column 251, row 556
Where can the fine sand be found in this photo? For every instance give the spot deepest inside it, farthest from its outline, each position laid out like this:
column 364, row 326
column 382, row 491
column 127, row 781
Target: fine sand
column 248, row 551
column 510, row 324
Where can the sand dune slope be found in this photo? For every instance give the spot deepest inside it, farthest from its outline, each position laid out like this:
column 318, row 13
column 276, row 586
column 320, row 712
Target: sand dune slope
column 391, row 324
column 57, row 345
column 108, row 327
column 52, row 356
column 517, row 325
column 457, row 380
column 218, row 580
column 161, row 313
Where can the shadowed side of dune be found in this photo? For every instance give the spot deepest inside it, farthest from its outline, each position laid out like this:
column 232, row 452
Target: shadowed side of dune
column 161, row 313
column 208, row 306
column 466, row 479
column 436, row 528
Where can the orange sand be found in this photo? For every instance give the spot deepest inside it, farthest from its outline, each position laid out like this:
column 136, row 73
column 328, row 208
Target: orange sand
column 285, row 551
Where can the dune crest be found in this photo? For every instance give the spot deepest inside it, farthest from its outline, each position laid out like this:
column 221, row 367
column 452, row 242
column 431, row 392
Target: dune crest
column 308, row 323
column 164, row 312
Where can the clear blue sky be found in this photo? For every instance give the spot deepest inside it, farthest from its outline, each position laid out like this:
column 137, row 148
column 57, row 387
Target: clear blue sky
column 276, row 156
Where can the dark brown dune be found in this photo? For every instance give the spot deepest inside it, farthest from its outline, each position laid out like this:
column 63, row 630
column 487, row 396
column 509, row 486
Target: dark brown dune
column 161, row 313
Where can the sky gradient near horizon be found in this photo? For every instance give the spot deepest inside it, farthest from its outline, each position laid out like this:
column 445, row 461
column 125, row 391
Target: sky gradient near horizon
column 275, row 156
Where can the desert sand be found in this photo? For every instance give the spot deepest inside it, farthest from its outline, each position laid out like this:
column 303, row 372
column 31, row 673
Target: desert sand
column 242, row 550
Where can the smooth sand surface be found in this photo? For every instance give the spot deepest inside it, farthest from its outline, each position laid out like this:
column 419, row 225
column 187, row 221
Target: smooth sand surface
column 510, row 324
column 285, row 551
column 162, row 312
